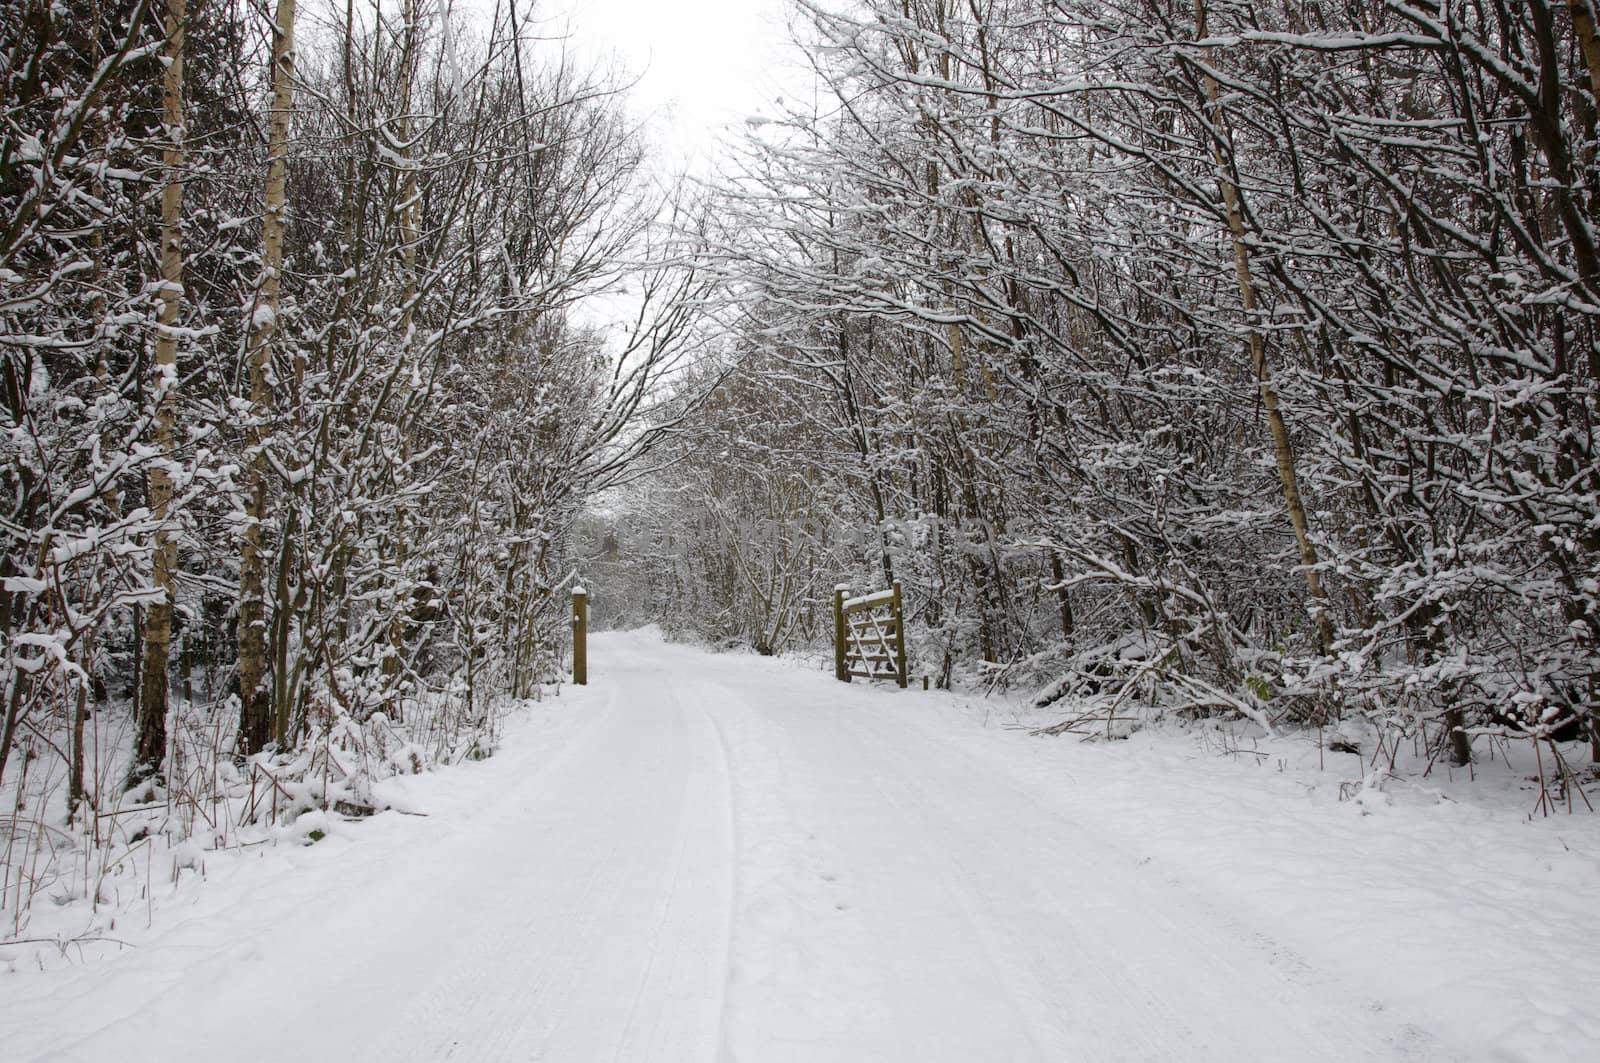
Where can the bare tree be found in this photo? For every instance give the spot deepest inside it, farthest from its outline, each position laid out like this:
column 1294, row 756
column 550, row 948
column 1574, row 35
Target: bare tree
column 150, row 746
column 255, row 709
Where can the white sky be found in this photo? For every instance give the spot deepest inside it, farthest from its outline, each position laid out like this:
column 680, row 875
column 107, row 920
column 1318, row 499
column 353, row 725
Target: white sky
column 704, row 66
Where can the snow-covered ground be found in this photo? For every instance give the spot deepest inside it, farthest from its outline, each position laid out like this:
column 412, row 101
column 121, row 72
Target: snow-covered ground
column 729, row 858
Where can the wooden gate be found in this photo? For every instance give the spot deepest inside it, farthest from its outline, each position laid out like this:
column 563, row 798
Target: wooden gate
column 869, row 635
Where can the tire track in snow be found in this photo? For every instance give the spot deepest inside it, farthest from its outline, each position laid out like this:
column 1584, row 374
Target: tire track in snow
column 318, row 932
column 706, row 800
column 493, row 995
column 998, row 1004
column 1279, row 1004
column 1085, row 975
column 802, row 974
column 1141, row 970
column 890, row 859
column 1227, row 930
column 575, row 907
column 725, row 1052
column 648, row 986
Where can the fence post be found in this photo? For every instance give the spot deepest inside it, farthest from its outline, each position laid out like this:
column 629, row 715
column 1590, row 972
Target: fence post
column 840, row 671
column 580, row 636
column 899, row 638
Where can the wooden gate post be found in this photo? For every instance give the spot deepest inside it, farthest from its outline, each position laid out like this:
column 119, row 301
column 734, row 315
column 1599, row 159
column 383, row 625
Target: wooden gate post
column 899, row 638
column 841, row 670
column 580, row 636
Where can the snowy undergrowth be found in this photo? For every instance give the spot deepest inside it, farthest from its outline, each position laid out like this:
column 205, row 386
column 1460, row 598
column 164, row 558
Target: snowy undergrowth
column 74, row 883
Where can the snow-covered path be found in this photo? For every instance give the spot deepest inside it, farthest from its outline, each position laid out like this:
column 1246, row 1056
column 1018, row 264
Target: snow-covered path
column 708, row 858
column 901, row 900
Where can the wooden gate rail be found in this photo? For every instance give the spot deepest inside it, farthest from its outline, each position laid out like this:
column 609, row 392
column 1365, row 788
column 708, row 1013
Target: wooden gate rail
column 869, row 636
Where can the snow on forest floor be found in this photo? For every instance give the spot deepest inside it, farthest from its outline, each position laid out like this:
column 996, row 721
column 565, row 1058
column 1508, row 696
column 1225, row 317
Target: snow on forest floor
column 730, row 858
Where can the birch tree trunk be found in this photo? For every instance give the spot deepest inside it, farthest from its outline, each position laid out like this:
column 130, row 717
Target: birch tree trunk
column 410, row 219
column 255, row 710
column 1583, row 29
column 1283, row 450
column 151, row 741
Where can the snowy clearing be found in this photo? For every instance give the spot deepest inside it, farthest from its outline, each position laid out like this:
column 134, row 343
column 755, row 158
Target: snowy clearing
column 733, row 858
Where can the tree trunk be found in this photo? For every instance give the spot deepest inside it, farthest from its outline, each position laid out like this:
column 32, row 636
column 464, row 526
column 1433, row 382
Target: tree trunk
column 1283, row 451
column 410, row 207
column 1063, row 598
column 255, row 710
column 150, row 744
column 75, row 790
column 1584, row 29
